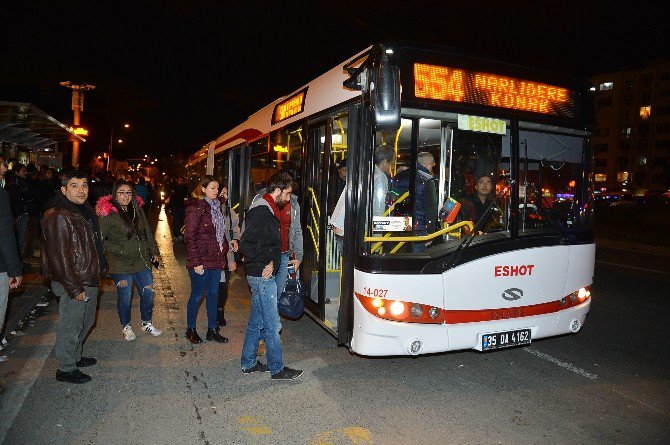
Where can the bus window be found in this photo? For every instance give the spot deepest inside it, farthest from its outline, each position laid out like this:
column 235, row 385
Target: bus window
column 474, row 180
column 552, row 191
column 260, row 169
column 286, row 151
column 338, row 158
column 221, row 166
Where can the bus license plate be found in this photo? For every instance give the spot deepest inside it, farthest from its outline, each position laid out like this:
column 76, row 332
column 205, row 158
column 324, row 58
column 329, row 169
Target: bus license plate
column 507, row 339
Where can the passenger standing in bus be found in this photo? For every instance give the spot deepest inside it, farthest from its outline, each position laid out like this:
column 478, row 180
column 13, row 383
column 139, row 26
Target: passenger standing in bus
column 383, row 159
column 261, row 244
column 425, row 206
column 341, row 176
column 232, row 228
column 206, row 248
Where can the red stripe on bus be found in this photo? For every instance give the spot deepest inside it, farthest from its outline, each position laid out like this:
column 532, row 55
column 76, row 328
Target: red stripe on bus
column 248, row 134
column 455, row 317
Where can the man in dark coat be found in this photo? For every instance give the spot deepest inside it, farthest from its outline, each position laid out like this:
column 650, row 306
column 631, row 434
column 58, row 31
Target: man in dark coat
column 73, row 258
column 261, row 246
column 10, row 264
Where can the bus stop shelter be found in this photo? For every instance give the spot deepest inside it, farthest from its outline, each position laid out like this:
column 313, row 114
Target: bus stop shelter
column 26, row 132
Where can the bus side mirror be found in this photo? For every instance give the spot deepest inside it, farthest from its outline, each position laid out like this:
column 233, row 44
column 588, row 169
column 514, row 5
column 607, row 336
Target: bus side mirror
column 385, row 95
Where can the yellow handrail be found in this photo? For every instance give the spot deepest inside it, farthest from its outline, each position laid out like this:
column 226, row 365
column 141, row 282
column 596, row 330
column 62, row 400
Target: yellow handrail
column 235, row 206
column 384, row 239
column 316, row 202
column 316, row 224
column 395, row 146
column 316, row 248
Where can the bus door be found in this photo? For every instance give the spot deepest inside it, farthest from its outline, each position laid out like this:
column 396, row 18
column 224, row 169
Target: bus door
column 321, row 261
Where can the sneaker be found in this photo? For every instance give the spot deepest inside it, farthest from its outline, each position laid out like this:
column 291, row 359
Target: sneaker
column 75, row 376
column 258, row 367
column 287, row 374
column 151, row 329
column 128, row 333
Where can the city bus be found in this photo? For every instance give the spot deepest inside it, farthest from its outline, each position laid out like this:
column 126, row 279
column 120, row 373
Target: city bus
column 415, row 272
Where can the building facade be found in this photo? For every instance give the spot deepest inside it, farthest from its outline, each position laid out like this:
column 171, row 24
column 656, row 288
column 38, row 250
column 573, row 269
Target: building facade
column 632, row 139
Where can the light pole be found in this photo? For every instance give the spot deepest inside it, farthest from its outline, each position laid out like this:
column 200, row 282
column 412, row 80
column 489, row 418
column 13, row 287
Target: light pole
column 78, row 108
column 111, row 144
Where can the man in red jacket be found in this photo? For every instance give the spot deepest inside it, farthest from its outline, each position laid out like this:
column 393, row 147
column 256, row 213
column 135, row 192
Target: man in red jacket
column 261, row 246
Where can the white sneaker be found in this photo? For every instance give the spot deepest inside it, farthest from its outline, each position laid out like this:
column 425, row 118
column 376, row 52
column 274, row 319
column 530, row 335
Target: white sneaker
column 151, row 329
column 128, row 333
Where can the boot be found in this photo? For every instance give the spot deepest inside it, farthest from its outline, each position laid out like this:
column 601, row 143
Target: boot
column 193, row 336
column 212, row 334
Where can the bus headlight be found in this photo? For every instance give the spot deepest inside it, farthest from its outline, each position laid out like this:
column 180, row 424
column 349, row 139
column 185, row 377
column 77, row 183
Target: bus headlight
column 397, row 308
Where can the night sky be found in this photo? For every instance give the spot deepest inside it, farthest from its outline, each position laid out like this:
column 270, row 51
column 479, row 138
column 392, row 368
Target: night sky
column 183, row 72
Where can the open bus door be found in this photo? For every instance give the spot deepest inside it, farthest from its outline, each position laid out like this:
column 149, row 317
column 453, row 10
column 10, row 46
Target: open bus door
column 320, row 268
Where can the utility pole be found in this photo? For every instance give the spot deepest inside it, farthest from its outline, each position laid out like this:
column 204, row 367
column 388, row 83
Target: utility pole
column 78, row 108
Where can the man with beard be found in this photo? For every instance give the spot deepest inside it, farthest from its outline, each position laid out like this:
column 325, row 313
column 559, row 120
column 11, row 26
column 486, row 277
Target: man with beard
column 261, row 245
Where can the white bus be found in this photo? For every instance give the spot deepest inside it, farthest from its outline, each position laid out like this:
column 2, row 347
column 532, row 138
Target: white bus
column 415, row 276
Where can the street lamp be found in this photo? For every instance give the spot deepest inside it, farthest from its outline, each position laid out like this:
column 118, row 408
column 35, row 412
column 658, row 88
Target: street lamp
column 111, row 144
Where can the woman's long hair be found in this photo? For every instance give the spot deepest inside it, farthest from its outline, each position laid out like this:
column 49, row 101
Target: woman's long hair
column 197, row 192
column 131, row 216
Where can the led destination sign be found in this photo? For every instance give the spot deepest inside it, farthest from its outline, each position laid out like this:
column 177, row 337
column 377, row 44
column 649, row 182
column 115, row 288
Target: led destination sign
column 459, row 85
column 289, row 107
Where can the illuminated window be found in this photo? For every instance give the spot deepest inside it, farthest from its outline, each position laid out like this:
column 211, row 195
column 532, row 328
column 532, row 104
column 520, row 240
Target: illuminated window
column 622, row 176
column 626, row 131
column 645, row 112
column 601, row 177
column 642, row 160
column 606, row 86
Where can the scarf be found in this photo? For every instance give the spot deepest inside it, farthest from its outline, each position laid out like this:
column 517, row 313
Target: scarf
column 273, row 205
column 218, row 220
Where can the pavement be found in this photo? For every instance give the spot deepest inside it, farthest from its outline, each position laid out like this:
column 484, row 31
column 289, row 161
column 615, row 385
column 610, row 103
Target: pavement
column 23, row 300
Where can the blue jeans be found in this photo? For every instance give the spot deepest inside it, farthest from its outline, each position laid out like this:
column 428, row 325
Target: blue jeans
column 207, row 283
column 263, row 323
column 282, row 273
column 144, row 280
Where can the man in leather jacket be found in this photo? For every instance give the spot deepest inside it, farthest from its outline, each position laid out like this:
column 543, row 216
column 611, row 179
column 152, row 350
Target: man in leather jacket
column 73, row 258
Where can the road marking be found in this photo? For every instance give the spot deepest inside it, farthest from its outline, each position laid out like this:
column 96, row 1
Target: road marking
column 255, row 426
column 560, row 363
column 356, row 434
column 630, row 267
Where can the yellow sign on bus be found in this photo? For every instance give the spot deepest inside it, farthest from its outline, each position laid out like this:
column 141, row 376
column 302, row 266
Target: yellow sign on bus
column 289, row 107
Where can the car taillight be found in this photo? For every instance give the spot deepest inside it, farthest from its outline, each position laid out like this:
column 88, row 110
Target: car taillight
column 397, row 310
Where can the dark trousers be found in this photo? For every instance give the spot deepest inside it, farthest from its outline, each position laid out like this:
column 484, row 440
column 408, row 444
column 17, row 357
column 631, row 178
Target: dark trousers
column 178, row 215
column 223, row 298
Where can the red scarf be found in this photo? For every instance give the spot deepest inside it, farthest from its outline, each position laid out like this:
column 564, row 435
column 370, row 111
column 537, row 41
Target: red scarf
column 273, row 205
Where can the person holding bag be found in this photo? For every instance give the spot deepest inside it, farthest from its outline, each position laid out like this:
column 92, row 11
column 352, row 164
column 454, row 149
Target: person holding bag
column 207, row 247
column 130, row 249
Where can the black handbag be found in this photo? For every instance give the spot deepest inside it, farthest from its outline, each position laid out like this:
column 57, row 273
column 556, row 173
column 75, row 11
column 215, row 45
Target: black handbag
column 291, row 302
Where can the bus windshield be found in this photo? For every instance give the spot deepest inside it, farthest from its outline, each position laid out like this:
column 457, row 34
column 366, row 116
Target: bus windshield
column 434, row 183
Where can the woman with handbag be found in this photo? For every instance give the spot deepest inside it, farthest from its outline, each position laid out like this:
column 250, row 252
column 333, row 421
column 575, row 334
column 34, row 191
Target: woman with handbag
column 206, row 247
column 131, row 249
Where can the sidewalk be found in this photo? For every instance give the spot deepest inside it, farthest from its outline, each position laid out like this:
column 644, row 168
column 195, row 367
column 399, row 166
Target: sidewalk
column 23, row 300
